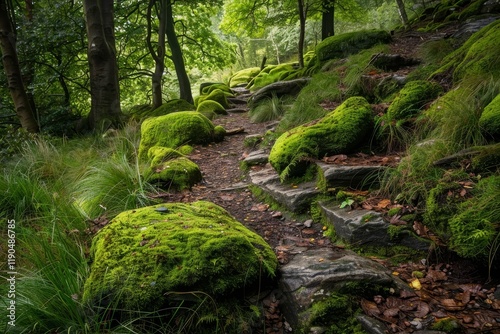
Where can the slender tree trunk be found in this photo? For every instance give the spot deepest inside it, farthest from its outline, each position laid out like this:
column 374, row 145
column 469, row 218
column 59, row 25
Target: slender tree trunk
column 328, row 19
column 104, row 87
column 302, row 33
column 177, row 57
column 402, row 12
column 159, row 54
column 13, row 71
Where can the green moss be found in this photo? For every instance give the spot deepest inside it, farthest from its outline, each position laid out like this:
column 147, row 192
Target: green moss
column 185, row 149
column 216, row 95
column 490, row 119
column 211, row 106
column 487, row 161
column 177, row 173
column 447, row 325
column 170, row 107
column 475, row 226
column 272, row 74
column 340, row 46
column 393, row 211
column 441, row 204
column 145, row 253
column 477, row 57
column 412, row 98
column 243, row 77
column 207, row 88
column 341, row 131
column 158, row 154
column 219, row 133
column 174, row 130
column 394, row 231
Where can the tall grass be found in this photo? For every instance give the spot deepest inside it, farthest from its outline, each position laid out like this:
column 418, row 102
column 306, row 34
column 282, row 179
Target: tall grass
column 270, row 109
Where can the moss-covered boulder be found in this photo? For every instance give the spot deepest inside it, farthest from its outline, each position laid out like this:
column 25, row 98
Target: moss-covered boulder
column 340, row 46
column 476, row 58
column 243, row 77
column 209, row 106
column 272, row 74
column 412, row 98
column 207, row 87
column 143, row 254
column 216, row 95
column 177, row 173
column 159, row 154
column 490, row 119
column 176, row 129
column 341, row 131
column 169, row 107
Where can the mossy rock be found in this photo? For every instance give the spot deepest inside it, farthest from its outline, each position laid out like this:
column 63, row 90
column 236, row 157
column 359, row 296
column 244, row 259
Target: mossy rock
column 490, row 119
column 475, row 225
column 177, row 173
column 272, row 74
column 159, row 154
column 170, row 107
column 476, row 58
column 207, row 87
column 243, row 77
column 343, row 45
column 412, row 98
column 216, row 95
column 208, row 106
column 174, row 130
column 341, row 131
column 145, row 253
column 487, row 160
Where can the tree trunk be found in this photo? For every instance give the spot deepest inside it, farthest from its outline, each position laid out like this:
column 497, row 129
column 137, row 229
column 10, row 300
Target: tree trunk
column 328, row 19
column 402, row 12
column 159, row 54
column 177, row 57
column 302, row 34
column 105, row 109
column 13, row 71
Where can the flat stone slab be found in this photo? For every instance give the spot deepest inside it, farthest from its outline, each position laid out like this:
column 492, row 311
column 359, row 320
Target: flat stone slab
column 296, row 198
column 315, row 273
column 357, row 177
column 258, row 157
column 367, row 228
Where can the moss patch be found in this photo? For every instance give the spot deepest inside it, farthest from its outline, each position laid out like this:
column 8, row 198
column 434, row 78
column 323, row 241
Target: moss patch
column 271, row 74
column 177, row 173
column 490, row 119
column 412, row 98
column 341, row 131
column 244, row 76
column 211, row 107
column 477, row 57
column 340, row 46
column 143, row 254
column 174, row 130
column 216, row 95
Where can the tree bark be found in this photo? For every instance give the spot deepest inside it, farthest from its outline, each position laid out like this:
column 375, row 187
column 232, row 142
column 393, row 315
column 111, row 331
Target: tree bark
column 159, row 54
column 177, row 57
column 328, row 19
column 105, row 109
column 302, row 33
column 13, row 71
column 402, row 12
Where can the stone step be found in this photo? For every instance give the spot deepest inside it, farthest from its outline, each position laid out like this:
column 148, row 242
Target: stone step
column 356, row 177
column 368, row 228
column 296, row 198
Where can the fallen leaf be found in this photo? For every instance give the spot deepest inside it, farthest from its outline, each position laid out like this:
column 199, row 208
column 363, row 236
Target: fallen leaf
column 370, row 308
column 391, row 312
column 451, row 305
column 384, row 203
column 422, row 310
column 415, row 284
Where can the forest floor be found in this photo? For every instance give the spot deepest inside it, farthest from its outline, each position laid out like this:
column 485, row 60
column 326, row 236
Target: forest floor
column 449, row 288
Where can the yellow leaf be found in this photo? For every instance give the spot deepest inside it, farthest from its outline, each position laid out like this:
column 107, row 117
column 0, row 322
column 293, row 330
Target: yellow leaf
column 415, row 284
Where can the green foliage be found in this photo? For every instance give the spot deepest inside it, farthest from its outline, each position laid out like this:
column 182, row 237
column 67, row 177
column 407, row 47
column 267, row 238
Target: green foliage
column 270, row 109
column 489, row 122
column 340, row 46
column 11, row 141
column 475, row 226
column 323, row 87
column 340, row 131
